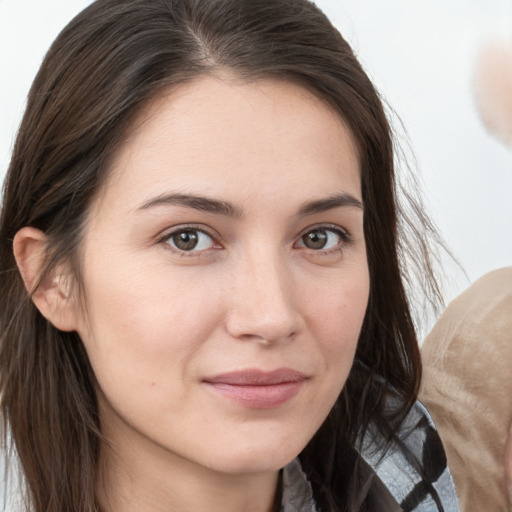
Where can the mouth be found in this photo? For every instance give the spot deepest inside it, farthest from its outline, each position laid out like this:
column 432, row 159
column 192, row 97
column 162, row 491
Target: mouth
column 258, row 389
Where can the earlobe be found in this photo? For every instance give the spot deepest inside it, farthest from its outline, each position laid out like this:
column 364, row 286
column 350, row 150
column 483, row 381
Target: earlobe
column 50, row 293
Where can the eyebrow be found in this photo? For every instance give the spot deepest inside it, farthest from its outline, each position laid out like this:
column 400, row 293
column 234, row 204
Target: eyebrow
column 227, row 209
column 330, row 203
column 201, row 203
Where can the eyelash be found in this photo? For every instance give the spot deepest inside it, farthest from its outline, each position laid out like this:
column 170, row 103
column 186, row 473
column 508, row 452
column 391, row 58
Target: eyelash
column 345, row 239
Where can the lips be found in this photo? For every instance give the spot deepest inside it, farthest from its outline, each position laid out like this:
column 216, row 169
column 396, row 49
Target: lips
column 258, row 389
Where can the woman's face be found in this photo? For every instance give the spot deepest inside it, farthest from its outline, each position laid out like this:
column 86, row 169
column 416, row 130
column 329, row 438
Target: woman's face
column 225, row 276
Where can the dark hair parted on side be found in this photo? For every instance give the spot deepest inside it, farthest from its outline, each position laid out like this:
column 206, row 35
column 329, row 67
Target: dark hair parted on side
column 106, row 65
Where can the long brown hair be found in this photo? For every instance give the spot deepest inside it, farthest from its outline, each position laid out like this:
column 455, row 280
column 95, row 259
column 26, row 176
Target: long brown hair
column 103, row 68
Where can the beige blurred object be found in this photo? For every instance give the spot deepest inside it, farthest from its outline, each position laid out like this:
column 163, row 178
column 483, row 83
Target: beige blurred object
column 467, row 388
column 508, row 465
column 492, row 85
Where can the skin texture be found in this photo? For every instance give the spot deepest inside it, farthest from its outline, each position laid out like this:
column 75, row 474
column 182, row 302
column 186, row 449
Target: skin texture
column 157, row 322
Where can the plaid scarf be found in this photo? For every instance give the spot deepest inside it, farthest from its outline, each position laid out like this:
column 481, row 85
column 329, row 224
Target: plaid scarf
column 413, row 470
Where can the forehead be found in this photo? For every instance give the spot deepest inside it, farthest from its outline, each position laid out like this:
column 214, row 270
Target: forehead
column 214, row 131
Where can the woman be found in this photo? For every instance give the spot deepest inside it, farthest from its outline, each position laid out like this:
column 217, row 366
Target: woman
column 201, row 205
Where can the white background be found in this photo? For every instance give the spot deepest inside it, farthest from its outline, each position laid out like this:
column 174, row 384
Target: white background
column 420, row 54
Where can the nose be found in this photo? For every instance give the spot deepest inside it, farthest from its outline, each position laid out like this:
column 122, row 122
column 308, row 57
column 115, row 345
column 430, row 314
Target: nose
column 263, row 305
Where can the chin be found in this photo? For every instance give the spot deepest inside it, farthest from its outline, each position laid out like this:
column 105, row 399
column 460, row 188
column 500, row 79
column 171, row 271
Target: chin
column 263, row 463
column 256, row 458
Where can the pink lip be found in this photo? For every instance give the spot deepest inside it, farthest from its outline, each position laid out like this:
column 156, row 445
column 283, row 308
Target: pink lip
column 257, row 389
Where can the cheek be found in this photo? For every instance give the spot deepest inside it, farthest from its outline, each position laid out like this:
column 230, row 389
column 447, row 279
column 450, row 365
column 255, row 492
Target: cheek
column 338, row 309
column 335, row 316
column 148, row 299
column 140, row 330
column 143, row 339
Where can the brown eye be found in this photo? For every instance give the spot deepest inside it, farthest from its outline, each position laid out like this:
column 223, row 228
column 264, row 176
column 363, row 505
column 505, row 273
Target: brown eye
column 186, row 240
column 190, row 240
column 322, row 239
column 316, row 239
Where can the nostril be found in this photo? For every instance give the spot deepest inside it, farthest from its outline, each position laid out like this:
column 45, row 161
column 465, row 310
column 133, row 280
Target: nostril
column 266, row 333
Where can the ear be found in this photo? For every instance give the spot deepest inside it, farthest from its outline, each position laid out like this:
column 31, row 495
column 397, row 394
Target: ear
column 51, row 294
